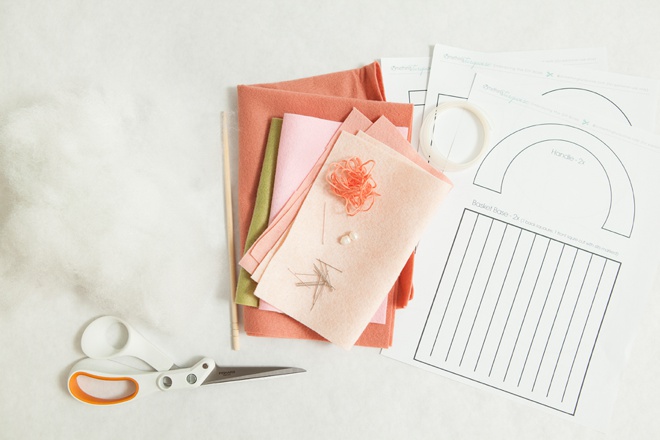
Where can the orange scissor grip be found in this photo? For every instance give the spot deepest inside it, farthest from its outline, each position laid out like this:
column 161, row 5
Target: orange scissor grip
column 80, row 394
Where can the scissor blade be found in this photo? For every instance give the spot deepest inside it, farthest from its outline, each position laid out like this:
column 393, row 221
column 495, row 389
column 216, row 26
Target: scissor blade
column 232, row 374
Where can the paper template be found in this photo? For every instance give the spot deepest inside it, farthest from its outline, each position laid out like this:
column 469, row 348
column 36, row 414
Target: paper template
column 531, row 277
column 406, row 79
column 588, row 58
column 361, row 273
column 624, row 99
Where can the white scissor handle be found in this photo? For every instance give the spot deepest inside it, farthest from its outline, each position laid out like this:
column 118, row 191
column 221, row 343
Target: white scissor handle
column 96, row 345
column 103, row 382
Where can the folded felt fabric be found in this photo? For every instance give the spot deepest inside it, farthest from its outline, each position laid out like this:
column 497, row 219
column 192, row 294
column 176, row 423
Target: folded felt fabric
column 246, row 285
column 330, row 97
column 333, row 284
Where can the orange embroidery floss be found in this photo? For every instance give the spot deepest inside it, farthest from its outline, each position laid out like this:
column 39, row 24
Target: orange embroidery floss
column 351, row 180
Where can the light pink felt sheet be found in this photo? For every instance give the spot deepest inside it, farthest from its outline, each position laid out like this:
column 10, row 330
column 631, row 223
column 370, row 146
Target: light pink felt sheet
column 302, row 142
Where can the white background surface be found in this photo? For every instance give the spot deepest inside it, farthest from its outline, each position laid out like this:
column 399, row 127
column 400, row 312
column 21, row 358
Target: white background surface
column 198, row 51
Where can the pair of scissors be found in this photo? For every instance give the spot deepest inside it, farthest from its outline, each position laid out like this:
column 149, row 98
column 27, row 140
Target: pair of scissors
column 100, row 380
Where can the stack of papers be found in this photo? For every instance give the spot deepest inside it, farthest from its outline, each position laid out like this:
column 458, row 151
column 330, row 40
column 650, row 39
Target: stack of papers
column 532, row 275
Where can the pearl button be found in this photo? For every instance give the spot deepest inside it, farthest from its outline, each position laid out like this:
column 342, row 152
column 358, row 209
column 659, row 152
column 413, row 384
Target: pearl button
column 347, row 238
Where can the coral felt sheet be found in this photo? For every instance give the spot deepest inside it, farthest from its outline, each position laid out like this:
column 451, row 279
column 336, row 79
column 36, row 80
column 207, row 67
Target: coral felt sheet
column 331, row 97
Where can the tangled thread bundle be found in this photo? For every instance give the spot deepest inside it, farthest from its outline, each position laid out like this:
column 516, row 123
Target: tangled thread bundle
column 351, row 179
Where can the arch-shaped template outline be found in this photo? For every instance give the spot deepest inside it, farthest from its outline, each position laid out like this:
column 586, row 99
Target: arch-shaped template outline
column 498, row 160
column 410, row 100
column 595, row 93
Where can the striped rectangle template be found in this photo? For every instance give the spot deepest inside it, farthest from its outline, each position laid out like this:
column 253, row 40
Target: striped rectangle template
column 518, row 311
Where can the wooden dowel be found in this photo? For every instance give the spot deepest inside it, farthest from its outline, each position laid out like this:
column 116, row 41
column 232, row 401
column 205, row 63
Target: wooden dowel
column 229, row 224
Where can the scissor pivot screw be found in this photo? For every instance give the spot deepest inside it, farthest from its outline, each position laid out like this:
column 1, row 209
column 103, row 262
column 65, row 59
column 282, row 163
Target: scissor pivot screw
column 167, row 381
column 191, row 378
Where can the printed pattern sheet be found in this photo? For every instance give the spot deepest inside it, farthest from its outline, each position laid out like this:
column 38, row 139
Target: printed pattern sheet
column 518, row 311
column 535, row 269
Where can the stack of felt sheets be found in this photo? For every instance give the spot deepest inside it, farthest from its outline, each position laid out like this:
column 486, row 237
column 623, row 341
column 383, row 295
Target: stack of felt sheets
column 332, row 201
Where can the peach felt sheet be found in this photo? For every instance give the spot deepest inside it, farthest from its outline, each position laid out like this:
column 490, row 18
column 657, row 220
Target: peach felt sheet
column 358, row 276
